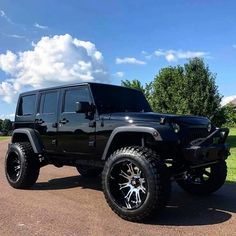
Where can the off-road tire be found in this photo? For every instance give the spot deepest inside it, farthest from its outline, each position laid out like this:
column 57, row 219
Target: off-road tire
column 28, row 165
column 88, row 171
column 157, row 177
column 215, row 181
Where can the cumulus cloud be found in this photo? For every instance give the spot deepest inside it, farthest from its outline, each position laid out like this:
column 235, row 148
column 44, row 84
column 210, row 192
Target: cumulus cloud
column 119, row 74
column 226, row 100
column 175, row 55
column 53, row 60
column 129, row 60
column 43, row 27
column 8, row 116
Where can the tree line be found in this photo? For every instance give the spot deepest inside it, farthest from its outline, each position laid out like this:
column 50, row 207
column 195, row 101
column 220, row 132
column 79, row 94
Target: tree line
column 5, row 127
column 188, row 89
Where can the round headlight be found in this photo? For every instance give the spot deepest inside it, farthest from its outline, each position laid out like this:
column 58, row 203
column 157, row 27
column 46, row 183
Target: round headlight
column 209, row 127
column 176, row 127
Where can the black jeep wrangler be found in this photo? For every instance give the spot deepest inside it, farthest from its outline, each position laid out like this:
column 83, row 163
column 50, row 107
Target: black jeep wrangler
column 112, row 130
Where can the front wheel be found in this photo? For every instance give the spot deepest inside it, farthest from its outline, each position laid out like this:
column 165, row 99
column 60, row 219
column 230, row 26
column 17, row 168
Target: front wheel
column 205, row 180
column 135, row 183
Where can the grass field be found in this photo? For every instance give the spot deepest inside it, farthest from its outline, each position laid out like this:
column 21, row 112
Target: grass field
column 231, row 162
column 4, row 137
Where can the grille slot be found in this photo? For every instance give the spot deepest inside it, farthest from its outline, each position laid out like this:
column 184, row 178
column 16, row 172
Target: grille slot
column 194, row 133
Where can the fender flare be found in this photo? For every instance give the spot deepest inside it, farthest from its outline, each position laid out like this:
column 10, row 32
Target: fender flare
column 33, row 137
column 139, row 129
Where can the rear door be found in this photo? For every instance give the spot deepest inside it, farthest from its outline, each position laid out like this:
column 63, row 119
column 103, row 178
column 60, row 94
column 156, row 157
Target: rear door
column 46, row 119
column 76, row 131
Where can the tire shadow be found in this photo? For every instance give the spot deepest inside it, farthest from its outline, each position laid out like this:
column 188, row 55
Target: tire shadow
column 69, row 182
column 183, row 209
column 188, row 210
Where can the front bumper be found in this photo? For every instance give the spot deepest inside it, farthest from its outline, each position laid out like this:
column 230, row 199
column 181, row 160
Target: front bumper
column 209, row 149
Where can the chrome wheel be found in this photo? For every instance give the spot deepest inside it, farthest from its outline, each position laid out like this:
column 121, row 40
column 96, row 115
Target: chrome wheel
column 205, row 180
column 199, row 176
column 128, row 185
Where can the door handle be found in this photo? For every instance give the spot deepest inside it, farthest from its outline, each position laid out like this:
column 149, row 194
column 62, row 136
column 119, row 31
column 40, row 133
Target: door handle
column 63, row 121
column 39, row 121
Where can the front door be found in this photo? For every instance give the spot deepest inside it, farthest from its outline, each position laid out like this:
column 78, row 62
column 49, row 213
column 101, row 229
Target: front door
column 76, row 131
column 46, row 119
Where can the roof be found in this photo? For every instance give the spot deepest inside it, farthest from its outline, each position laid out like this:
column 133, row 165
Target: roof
column 66, row 86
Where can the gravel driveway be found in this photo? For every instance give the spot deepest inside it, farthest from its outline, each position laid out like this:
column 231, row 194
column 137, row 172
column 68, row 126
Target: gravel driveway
column 64, row 203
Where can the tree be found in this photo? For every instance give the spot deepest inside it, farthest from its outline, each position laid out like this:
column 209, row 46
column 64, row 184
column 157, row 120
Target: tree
column 136, row 84
column 188, row 89
column 230, row 115
column 1, row 124
column 6, row 126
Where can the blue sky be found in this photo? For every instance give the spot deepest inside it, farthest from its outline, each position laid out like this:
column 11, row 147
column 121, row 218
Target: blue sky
column 125, row 40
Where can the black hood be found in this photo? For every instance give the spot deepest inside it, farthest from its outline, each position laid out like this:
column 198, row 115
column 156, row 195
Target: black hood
column 134, row 117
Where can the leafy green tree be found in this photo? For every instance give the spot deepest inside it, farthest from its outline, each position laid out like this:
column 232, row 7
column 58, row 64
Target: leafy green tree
column 1, row 124
column 188, row 89
column 136, row 84
column 230, row 115
column 6, row 126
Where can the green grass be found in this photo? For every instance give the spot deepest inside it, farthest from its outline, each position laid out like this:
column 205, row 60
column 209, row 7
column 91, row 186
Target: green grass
column 231, row 162
column 4, row 138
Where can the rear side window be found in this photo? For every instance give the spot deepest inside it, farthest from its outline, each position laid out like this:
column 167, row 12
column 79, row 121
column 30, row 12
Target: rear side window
column 75, row 95
column 49, row 102
column 27, row 105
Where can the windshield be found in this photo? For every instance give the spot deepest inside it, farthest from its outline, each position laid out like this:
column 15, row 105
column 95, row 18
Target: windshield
column 109, row 98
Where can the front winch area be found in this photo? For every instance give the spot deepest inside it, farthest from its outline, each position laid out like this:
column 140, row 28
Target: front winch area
column 200, row 151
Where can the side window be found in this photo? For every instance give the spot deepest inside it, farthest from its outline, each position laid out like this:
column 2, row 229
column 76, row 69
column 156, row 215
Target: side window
column 75, row 95
column 27, row 105
column 49, row 102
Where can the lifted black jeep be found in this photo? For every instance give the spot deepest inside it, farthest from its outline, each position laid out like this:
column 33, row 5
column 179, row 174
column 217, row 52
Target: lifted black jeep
column 112, row 130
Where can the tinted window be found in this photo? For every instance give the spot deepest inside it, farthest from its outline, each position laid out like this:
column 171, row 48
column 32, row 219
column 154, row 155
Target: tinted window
column 119, row 99
column 75, row 95
column 50, row 102
column 27, row 105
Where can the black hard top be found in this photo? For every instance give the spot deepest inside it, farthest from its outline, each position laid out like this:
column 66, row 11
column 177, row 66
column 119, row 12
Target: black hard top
column 68, row 86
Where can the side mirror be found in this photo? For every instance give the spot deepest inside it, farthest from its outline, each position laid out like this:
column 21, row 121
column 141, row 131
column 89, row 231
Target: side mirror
column 82, row 107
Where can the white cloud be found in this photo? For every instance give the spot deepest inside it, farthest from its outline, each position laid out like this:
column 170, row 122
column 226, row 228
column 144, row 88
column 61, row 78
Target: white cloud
column 234, row 46
column 129, row 60
column 119, row 74
column 16, row 36
column 4, row 15
column 53, row 60
column 9, row 116
column 227, row 100
column 175, row 55
column 43, row 27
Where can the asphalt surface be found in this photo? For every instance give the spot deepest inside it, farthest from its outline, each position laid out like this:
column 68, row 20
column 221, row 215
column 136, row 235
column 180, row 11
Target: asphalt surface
column 64, row 203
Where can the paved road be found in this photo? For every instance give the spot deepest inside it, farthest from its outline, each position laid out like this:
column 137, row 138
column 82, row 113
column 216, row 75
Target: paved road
column 64, row 203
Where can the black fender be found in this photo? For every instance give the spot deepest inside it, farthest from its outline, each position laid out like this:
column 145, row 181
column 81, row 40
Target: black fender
column 32, row 136
column 160, row 133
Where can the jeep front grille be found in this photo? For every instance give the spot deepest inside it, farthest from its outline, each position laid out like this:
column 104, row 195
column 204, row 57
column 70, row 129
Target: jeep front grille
column 194, row 133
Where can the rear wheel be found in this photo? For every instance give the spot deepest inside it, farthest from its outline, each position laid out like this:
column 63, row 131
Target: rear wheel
column 135, row 183
column 88, row 171
column 21, row 166
column 205, row 180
